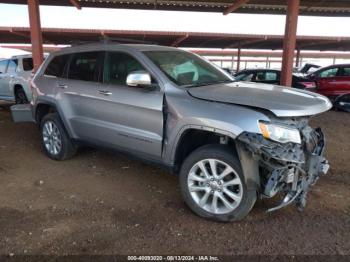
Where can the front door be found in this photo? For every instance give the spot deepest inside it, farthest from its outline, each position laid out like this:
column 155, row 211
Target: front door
column 132, row 116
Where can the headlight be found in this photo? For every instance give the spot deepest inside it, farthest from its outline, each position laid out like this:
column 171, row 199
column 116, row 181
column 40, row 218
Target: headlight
column 280, row 133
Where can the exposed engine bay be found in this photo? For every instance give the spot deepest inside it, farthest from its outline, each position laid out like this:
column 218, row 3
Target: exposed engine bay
column 288, row 168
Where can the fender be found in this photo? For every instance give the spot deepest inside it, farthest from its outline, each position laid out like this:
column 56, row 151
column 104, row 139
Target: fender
column 45, row 100
column 197, row 127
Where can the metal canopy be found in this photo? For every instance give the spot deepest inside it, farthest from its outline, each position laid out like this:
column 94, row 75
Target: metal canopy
column 307, row 7
column 181, row 39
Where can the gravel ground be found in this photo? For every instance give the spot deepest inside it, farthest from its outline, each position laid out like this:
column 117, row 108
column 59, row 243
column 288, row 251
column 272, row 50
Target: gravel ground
column 104, row 203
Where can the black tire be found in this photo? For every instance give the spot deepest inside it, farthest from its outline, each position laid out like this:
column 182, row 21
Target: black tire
column 224, row 154
column 20, row 96
column 337, row 106
column 68, row 149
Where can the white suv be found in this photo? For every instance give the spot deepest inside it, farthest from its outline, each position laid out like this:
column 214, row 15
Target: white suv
column 15, row 75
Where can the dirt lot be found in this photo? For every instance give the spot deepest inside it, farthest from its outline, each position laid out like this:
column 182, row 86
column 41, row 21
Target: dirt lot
column 104, row 203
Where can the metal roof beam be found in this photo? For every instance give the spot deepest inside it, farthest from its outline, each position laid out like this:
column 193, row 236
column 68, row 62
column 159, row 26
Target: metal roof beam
column 179, row 40
column 248, row 42
column 319, row 43
column 237, row 4
column 25, row 35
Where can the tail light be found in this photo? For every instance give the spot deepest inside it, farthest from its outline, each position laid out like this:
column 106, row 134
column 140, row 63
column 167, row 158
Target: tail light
column 308, row 85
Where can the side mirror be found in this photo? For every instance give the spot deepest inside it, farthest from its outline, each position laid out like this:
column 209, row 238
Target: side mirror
column 139, row 79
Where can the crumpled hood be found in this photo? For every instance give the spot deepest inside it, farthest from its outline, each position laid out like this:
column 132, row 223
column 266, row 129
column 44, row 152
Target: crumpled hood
column 282, row 101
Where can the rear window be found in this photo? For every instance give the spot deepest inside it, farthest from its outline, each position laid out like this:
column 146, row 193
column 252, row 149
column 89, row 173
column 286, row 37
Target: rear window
column 345, row 71
column 56, row 66
column 27, row 64
column 84, row 66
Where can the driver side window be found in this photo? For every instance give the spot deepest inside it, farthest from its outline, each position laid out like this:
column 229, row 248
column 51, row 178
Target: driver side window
column 118, row 66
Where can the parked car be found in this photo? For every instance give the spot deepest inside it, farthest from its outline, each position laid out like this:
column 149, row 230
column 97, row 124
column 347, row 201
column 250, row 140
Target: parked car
column 15, row 74
column 332, row 81
column 306, row 69
column 229, row 142
column 271, row 76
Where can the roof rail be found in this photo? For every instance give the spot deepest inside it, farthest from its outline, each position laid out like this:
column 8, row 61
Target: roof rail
column 122, row 40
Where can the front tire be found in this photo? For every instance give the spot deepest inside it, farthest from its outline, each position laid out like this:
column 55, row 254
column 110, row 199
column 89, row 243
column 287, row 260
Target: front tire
column 213, row 185
column 56, row 142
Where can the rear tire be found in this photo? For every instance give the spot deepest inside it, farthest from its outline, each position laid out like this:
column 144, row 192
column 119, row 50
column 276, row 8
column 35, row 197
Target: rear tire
column 20, row 96
column 55, row 140
column 221, row 194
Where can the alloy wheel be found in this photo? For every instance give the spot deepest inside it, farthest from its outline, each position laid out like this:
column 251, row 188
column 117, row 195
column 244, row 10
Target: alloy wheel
column 215, row 186
column 52, row 138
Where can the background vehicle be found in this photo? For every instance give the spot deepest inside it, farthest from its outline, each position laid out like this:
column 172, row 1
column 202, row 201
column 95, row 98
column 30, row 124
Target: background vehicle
column 306, row 69
column 173, row 108
column 15, row 74
column 342, row 103
column 332, row 81
column 271, row 76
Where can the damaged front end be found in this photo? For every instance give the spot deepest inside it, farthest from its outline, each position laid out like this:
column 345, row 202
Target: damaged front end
column 287, row 168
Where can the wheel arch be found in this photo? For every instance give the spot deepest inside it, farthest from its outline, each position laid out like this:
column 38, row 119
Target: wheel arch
column 17, row 86
column 186, row 144
column 192, row 137
column 45, row 107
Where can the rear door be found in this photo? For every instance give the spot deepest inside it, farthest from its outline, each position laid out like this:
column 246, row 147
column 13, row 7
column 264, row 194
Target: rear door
column 77, row 93
column 326, row 82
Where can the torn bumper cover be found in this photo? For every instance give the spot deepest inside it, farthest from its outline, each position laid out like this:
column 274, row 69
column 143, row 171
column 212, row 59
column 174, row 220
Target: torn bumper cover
column 290, row 169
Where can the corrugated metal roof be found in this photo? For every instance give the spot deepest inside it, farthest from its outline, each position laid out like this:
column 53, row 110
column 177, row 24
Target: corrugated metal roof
column 308, row 7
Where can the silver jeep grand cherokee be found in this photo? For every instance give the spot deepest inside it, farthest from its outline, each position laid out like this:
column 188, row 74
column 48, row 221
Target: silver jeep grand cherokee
column 231, row 142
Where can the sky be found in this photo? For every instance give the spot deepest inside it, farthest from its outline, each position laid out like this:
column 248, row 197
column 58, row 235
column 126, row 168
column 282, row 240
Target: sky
column 98, row 18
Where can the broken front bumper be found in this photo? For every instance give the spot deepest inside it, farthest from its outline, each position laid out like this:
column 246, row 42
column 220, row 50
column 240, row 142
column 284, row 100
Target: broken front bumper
column 290, row 169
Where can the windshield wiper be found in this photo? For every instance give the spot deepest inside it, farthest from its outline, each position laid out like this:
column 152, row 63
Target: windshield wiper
column 208, row 83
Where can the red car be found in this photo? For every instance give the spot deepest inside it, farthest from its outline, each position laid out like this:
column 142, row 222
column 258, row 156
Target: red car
column 332, row 81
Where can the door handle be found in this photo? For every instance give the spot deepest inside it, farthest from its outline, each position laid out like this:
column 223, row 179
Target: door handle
column 104, row 92
column 63, row 86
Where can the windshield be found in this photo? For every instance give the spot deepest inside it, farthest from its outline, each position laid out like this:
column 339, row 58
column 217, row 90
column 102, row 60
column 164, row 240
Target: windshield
column 244, row 77
column 186, row 69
